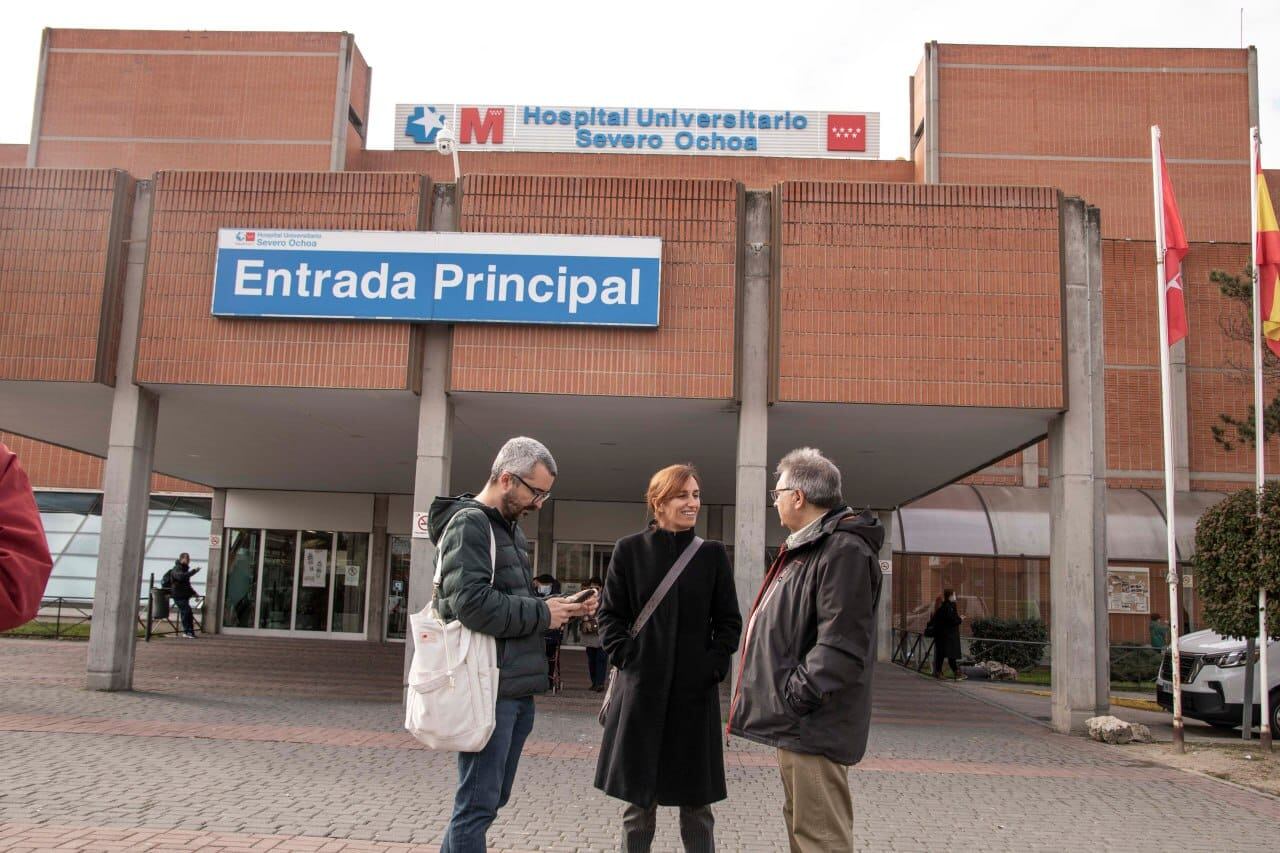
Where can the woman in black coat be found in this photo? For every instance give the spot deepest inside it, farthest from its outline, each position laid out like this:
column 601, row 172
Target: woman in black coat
column 946, row 634
column 662, row 743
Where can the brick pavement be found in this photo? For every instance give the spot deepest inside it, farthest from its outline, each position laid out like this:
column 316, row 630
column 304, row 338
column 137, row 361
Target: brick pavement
column 293, row 746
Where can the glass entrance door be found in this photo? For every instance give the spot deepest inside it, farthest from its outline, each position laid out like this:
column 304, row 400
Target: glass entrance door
column 397, row 586
column 279, row 559
column 314, row 573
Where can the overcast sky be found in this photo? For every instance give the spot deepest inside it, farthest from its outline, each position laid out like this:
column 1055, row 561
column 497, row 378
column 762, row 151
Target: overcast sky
column 799, row 54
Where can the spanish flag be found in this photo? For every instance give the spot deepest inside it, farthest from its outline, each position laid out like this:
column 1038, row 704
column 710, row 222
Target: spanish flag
column 1267, row 261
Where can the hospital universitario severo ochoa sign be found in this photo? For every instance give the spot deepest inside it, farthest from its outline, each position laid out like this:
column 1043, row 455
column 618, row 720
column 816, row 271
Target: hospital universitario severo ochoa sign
column 437, row 276
column 641, row 130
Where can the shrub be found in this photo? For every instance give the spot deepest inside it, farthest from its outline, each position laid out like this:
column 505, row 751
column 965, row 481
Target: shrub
column 1229, row 571
column 1134, row 662
column 1026, row 650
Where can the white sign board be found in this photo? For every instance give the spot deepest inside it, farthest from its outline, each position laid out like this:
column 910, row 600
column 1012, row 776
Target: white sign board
column 1128, row 589
column 420, row 526
column 640, row 129
column 351, row 574
column 315, row 566
column 886, row 567
column 215, row 542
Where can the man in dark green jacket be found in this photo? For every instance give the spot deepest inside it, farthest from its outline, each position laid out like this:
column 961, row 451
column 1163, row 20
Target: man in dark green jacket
column 506, row 608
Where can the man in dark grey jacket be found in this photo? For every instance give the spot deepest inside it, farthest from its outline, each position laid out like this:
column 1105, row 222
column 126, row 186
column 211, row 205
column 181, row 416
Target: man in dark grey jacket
column 507, row 609
column 804, row 683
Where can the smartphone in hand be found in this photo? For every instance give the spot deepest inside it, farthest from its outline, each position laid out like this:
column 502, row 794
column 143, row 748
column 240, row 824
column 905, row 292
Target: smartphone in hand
column 581, row 595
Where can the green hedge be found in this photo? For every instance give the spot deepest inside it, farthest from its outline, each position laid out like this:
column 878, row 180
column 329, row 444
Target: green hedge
column 1134, row 662
column 987, row 633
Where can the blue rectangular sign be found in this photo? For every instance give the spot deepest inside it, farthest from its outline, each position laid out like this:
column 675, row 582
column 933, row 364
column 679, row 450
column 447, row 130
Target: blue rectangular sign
column 431, row 276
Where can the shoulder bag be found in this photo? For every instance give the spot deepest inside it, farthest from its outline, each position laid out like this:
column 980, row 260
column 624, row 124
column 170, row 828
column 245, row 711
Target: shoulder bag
column 651, row 605
column 453, row 679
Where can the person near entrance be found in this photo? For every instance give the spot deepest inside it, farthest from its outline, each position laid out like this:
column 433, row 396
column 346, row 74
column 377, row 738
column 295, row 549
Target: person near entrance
column 181, row 591
column 508, row 609
column 589, row 633
column 25, row 562
column 804, row 680
column 662, row 743
column 946, row 621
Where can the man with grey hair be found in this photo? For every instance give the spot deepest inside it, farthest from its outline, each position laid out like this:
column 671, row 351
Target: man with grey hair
column 804, row 680
column 505, row 607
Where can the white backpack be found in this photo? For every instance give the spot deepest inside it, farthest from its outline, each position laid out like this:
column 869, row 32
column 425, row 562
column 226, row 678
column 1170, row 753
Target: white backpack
column 453, row 680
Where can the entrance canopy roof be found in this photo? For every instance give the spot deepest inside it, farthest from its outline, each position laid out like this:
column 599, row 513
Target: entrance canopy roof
column 606, row 447
column 1007, row 521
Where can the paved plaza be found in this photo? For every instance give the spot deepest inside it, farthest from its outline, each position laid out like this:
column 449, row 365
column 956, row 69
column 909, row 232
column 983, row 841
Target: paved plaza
column 287, row 745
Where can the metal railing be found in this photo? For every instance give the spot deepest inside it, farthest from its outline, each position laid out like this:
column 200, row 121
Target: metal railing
column 1129, row 662
column 64, row 618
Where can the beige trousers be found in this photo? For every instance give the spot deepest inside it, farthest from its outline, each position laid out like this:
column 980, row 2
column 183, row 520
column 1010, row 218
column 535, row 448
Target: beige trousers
column 818, row 808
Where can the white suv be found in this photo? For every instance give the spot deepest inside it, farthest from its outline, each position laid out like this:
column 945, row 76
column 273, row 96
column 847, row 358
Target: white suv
column 1213, row 680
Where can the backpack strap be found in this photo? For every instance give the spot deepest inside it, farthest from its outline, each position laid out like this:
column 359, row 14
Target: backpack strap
column 493, row 557
column 667, row 582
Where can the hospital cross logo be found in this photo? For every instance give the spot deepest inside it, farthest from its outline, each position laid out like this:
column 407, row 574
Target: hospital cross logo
column 846, row 132
column 423, row 125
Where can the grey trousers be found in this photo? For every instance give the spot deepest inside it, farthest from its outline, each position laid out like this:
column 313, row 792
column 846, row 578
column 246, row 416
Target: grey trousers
column 697, row 826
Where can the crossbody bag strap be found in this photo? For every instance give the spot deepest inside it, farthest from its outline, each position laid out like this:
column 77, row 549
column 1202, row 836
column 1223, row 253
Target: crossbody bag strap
column 669, row 581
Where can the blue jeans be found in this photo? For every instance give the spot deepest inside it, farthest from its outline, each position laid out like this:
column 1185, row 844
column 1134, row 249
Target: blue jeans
column 485, row 778
column 597, row 665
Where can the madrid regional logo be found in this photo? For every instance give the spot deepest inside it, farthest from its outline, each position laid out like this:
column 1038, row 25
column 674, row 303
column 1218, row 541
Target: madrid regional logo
column 423, row 125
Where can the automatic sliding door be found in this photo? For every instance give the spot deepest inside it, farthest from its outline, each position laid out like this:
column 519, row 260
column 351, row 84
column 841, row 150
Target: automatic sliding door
column 350, row 572
column 314, row 577
column 278, row 559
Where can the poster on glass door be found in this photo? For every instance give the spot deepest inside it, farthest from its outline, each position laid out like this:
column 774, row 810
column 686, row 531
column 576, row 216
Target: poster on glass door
column 315, row 565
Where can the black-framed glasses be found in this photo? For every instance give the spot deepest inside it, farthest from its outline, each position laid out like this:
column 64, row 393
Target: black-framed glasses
column 538, row 494
column 774, row 493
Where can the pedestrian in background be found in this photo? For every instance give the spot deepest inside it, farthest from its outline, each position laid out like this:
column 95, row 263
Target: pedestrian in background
column 589, row 634
column 181, row 591
column 946, row 635
column 662, row 743
column 1159, row 632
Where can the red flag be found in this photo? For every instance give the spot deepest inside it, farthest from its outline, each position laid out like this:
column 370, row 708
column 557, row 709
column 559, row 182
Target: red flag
column 1268, row 261
column 1175, row 249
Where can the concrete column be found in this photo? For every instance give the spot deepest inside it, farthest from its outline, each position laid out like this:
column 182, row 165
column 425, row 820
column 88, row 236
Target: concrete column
column 375, row 625
column 435, row 427
column 126, row 483
column 1031, row 467
column 932, row 134
column 884, row 618
column 213, row 579
column 753, row 415
column 546, row 538
column 1077, row 486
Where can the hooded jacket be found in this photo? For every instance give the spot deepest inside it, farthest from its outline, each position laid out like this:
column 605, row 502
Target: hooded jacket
column 508, row 609
column 25, row 563
column 810, row 649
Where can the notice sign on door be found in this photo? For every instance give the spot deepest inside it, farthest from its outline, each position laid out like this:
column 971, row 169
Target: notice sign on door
column 1128, row 589
column 351, row 574
column 315, row 566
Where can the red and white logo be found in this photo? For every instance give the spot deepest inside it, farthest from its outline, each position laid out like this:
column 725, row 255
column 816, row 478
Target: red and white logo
column 475, row 129
column 846, row 132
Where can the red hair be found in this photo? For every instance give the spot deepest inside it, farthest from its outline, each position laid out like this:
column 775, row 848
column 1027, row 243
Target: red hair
column 667, row 483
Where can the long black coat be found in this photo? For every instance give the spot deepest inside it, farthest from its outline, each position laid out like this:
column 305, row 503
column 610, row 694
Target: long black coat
column 946, row 630
column 662, row 742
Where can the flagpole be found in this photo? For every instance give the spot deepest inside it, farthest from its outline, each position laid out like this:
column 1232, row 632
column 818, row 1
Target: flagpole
column 1259, row 428
column 1166, row 409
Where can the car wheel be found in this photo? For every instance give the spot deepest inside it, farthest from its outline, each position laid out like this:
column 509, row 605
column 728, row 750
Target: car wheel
column 1275, row 712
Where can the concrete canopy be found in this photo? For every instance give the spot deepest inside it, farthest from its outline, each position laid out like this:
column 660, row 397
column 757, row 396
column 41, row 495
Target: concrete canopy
column 607, row 447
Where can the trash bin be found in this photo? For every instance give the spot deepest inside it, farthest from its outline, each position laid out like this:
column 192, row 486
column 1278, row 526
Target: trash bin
column 159, row 603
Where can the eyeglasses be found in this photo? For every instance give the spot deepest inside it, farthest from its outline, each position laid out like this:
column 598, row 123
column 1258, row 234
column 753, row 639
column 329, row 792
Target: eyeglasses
column 774, row 493
column 538, row 494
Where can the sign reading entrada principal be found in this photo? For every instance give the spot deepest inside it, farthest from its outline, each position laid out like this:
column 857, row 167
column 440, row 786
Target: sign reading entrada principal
column 432, row 276
column 641, row 130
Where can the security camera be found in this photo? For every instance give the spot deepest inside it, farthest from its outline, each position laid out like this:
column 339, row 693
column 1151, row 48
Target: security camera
column 445, row 142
